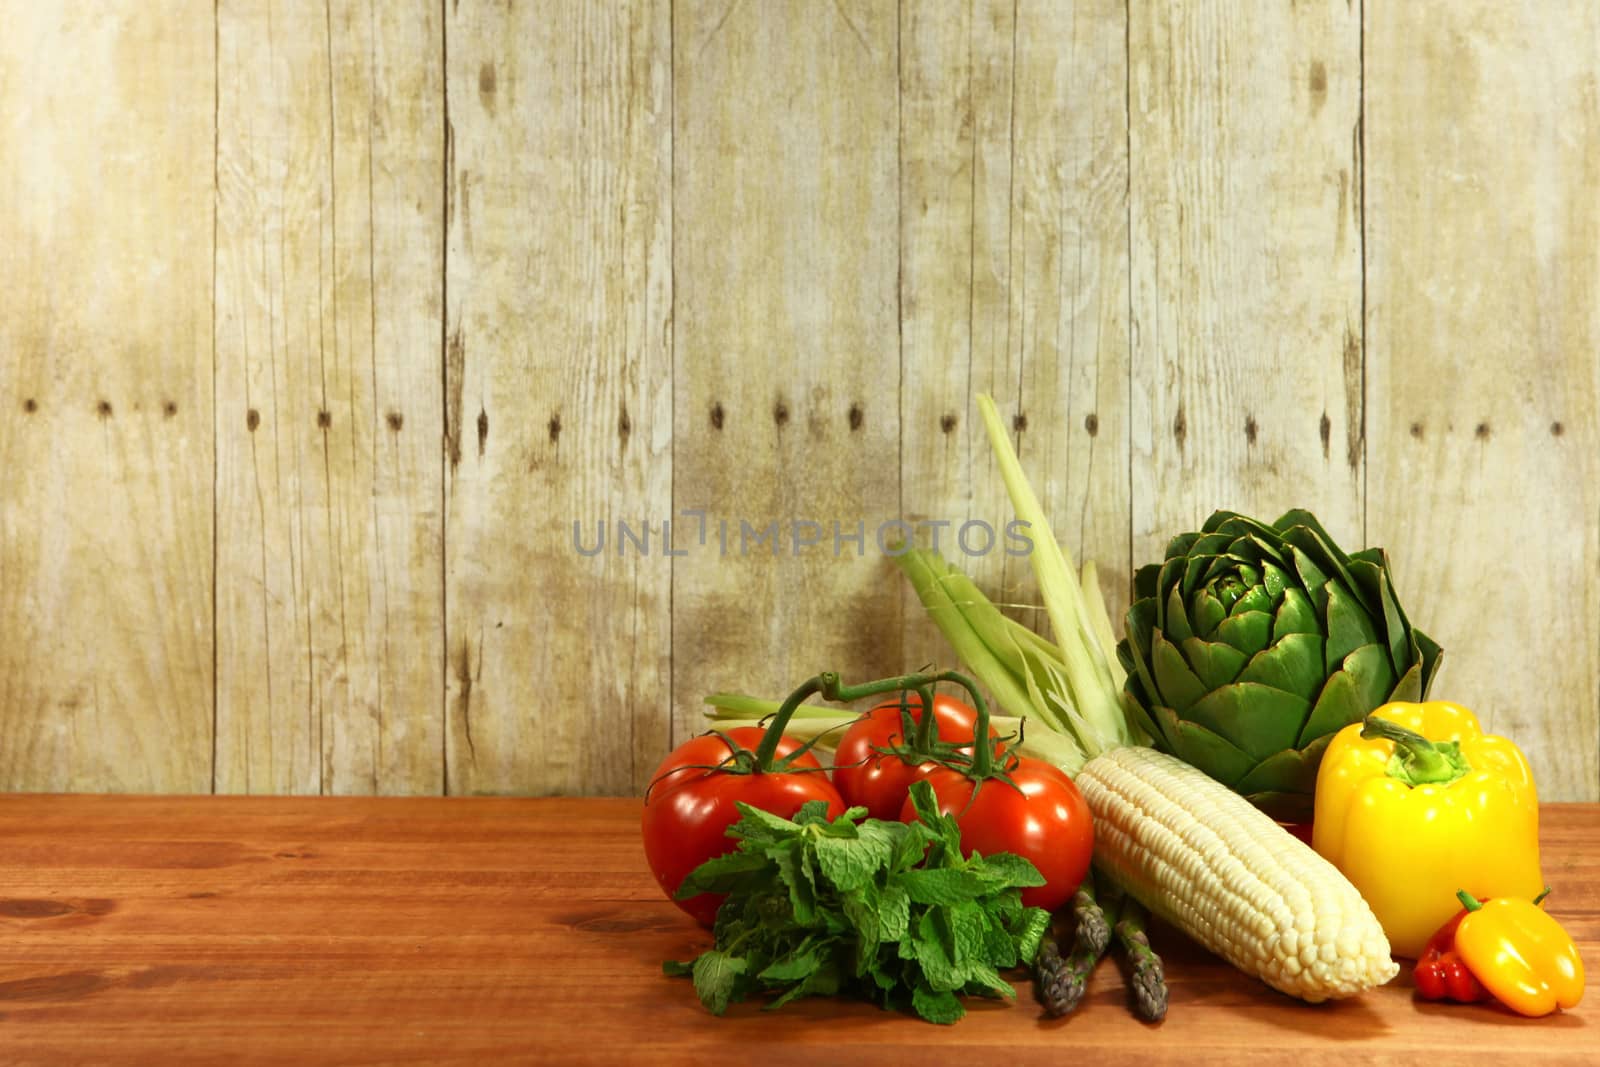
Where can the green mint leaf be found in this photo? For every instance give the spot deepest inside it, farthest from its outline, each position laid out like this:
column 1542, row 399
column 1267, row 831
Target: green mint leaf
column 880, row 840
column 677, row 968
column 1007, row 870
column 884, row 971
column 966, row 932
column 894, row 913
column 944, row 828
column 850, row 863
column 797, row 879
column 721, row 874
column 910, row 846
column 844, row 825
column 1030, row 930
column 936, row 1006
column 987, row 980
column 999, row 947
column 715, row 975
column 825, row 981
column 942, row 885
column 814, row 812
column 933, row 948
column 847, row 864
column 798, row 965
column 860, row 909
column 1006, row 908
column 761, row 827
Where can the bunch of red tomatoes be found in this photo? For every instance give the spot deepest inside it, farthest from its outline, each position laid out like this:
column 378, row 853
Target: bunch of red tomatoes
column 1001, row 801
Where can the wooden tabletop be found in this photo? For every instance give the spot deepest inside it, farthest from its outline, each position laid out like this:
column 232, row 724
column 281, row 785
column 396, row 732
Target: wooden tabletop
column 193, row 929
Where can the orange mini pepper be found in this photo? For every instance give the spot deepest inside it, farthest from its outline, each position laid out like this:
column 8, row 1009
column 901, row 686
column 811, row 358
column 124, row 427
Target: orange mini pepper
column 1520, row 954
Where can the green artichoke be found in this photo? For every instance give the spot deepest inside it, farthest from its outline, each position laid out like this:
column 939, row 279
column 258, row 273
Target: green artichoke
column 1250, row 646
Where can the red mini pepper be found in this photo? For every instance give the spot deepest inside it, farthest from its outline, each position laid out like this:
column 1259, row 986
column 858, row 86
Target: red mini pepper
column 1440, row 973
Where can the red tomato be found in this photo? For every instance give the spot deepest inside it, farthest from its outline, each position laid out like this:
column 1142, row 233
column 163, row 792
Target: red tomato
column 688, row 810
column 881, row 782
column 1047, row 823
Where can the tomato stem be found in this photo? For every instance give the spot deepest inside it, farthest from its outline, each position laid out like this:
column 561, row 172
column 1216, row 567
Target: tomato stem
column 831, row 688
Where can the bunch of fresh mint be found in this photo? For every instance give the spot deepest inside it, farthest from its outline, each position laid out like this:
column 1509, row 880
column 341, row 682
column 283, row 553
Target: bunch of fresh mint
column 890, row 911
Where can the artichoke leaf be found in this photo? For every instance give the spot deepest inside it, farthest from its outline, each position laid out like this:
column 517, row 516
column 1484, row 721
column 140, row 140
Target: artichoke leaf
column 1373, row 673
column 1206, row 613
column 1135, row 682
column 1179, row 546
column 1338, row 705
column 1249, row 633
column 1349, row 626
column 1301, row 517
column 1256, row 599
column 1328, row 555
column 1269, row 549
column 1215, row 663
column 1146, row 580
column 1276, row 581
column 1295, row 616
column 1284, row 807
column 1413, row 684
column 1199, row 747
column 1312, row 579
column 1289, row 771
column 1431, row 655
column 1220, row 565
column 1293, row 664
column 1372, row 576
column 1138, row 632
column 1145, row 722
column 1211, row 544
column 1253, row 717
column 1194, row 571
column 1178, row 685
column 1176, row 619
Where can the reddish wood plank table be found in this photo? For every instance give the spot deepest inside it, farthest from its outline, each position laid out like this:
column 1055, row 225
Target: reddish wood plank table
column 192, row 929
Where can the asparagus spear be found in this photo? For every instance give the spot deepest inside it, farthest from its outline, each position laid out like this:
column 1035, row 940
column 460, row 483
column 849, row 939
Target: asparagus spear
column 1063, row 980
column 1091, row 930
column 1148, row 982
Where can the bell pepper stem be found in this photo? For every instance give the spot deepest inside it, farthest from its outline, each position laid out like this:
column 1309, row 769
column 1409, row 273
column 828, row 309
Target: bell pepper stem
column 1468, row 901
column 1417, row 760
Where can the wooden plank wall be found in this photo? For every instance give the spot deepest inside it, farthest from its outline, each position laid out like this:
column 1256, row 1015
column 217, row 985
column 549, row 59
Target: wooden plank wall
column 323, row 325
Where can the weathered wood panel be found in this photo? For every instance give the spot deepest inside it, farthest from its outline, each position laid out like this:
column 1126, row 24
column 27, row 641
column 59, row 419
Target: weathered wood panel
column 1246, row 276
column 1014, row 274
column 558, row 402
column 105, row 397
column 300, row 519
column 787, row 368
column 329, row 526
column 1483, row 283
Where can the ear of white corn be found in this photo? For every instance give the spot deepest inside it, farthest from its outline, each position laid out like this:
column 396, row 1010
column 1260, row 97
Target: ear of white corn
column 1210, row 863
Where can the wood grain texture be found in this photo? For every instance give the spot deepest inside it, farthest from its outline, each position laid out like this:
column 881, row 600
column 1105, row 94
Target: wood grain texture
column 105, row 398
column 785, row 212
column 1014, row 282
column 329, row 229
column 301, row 518
column 460, row 930
column 1483, row 130
column 1246, row 266
column 558, row 405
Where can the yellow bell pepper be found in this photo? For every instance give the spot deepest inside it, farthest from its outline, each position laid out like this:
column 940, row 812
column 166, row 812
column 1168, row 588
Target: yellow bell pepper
column 1520, row 954
column 1417, row 803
